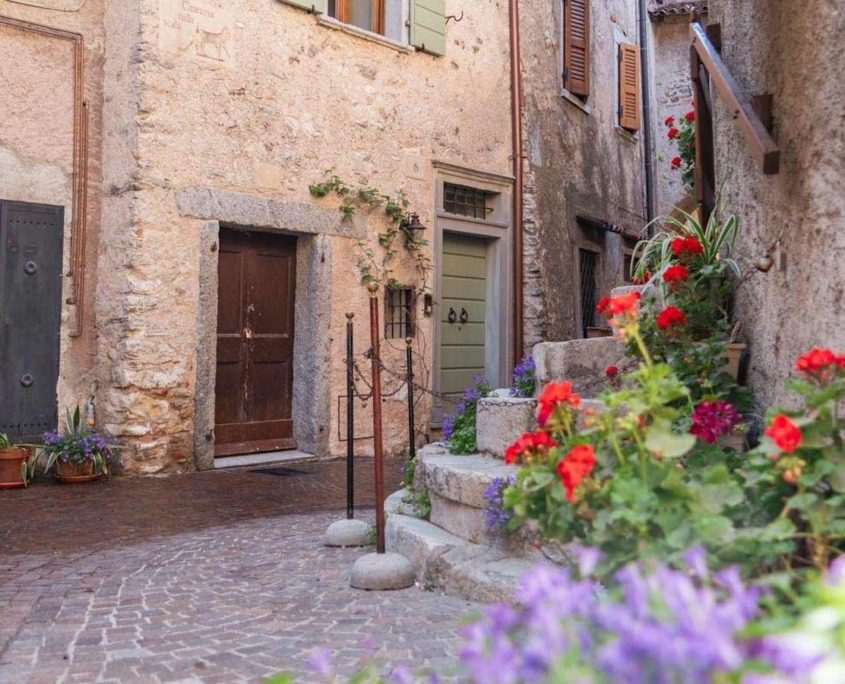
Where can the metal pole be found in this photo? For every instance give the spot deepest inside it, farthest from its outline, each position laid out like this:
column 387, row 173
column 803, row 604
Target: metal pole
column 350, row 420
column 375, row 335
column 412, row 434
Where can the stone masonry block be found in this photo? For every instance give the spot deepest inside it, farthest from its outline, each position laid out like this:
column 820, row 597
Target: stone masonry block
column 582, row 362
column 501, row 421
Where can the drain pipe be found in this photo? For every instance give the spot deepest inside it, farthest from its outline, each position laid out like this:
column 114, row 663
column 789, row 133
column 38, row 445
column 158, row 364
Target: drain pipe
column 648, row 151
column 516, row 134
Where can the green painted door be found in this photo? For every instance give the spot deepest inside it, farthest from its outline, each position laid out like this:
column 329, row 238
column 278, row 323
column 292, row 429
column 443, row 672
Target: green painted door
column 462, row 315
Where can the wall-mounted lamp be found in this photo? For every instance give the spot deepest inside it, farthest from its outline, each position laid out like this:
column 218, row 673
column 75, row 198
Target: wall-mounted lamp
column 415, row 226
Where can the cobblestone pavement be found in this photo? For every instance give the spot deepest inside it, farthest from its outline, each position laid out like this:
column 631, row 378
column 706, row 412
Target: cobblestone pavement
column 210, row 577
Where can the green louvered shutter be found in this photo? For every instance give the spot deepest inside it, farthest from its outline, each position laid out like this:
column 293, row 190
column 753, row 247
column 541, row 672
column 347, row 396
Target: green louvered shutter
column 319, row 6
column 428, row 25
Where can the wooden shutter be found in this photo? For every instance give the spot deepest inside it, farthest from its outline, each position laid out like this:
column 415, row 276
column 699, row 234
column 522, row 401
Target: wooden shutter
column 630, row 106
column 318, row 6
column 576, row 46
column 428, row 25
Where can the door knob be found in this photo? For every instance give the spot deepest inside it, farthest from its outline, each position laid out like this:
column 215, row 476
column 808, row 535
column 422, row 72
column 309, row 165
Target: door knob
column 464, row 316
column 26, row 380
column 453, row 316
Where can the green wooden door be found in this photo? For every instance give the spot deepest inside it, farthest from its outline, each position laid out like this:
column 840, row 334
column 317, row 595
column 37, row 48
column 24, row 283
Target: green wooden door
column 462, row 316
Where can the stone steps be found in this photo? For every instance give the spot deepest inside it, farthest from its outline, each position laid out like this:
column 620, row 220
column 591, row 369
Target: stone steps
column 582, row 362
column 447, row 563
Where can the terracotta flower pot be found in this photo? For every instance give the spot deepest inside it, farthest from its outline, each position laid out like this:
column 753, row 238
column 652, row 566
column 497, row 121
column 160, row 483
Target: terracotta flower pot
column 733, row 355
column 11, row 461
column 76, row 473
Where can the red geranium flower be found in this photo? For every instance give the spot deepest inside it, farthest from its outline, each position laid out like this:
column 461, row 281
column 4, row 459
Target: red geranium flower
column 670, row 317
column 670, row 121
column 554, row 394
column 786, row 434
column 611, row 372
column 575, row 466
column 676, row 163
column 624, row 305
column 673, row 133
column 687, row 245
column 676, row 274
column 604, row 304
column 816, row 360
column 690, row 116
column 531, row 444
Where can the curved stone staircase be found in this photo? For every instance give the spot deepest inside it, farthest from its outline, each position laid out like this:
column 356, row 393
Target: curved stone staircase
column 453, row 551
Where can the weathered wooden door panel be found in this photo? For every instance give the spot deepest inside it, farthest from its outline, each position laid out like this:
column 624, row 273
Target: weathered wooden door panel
column 30, row 317
column 257, row 282
column 463, row 309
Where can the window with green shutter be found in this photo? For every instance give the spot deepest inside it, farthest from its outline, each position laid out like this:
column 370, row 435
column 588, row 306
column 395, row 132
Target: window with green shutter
column 428, row 26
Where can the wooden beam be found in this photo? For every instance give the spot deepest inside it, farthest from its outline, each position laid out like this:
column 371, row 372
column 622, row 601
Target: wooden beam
column 763, row 147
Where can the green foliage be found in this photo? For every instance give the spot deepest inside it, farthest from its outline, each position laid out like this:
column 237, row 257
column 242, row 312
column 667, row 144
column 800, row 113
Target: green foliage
column 397, row 211
column 5, row 442
column 418, row 497
column 685, row 141
column 460, row 431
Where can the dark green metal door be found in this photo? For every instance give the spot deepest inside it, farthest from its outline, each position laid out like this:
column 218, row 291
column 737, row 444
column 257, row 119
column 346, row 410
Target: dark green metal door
column 30, row 317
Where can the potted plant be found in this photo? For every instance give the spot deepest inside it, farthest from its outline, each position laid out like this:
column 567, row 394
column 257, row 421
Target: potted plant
column 15, row 470
column 79, row 455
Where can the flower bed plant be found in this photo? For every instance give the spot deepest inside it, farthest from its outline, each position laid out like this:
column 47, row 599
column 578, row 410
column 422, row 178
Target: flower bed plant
column 682, row 133
column 459, row 431
column 82, row 449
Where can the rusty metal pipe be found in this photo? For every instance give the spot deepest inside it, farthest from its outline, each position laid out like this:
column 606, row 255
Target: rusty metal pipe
column 517, row 103
column 378, row 452
column 350, row 419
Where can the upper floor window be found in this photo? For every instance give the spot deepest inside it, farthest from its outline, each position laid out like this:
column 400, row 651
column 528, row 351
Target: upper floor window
column 366, row 14
column 630, row 104
column 466, row 201
column 575, row 44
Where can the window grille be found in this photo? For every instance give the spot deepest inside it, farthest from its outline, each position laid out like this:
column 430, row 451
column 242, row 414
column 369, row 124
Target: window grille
column 466, row 201
column 588, row 262
column 399, row 313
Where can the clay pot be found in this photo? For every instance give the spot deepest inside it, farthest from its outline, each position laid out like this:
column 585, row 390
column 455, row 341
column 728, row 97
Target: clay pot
column 11, row 461
column 733, row 356
column 76, row 473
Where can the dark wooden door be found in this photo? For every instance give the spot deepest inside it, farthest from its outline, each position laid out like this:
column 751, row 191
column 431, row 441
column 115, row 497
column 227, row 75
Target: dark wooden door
column 30, row 317
column 255, row 326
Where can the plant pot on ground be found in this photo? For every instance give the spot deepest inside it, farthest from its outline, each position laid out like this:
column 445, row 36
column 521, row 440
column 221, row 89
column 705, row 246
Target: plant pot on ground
column 15, row 469
column 78, row 454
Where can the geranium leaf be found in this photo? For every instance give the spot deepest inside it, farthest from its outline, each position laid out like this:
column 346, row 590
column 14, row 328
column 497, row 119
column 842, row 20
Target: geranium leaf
column 661, row 441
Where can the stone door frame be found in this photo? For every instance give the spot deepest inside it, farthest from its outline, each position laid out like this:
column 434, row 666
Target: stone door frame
column 316, row 230
column 498, row 232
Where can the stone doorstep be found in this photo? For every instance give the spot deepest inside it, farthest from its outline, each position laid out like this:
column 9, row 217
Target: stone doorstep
column 582, row 362
column 447, row 563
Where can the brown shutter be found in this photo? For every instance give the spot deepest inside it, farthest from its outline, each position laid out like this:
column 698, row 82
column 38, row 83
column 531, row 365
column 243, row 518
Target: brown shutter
column 576, row 46
column 629, row 86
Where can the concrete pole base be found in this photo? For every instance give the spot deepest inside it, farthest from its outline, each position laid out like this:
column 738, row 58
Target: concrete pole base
column 382, row 572
column 348, row 533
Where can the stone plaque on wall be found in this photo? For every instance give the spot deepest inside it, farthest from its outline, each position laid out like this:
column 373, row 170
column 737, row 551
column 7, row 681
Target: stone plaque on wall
column 60, row 5
column 197, row 28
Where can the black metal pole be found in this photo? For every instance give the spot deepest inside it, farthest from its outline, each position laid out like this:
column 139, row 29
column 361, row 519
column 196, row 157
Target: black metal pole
column 350, row 420
column 412, row 430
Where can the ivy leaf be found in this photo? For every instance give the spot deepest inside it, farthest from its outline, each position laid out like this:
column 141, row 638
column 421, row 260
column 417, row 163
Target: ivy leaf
column 661, row 441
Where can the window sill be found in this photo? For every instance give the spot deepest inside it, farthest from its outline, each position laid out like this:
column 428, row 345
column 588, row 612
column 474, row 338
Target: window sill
column 577, row 101
column 331, row 23
column 627, row 135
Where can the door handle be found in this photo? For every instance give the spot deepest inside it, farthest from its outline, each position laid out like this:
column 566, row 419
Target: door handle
column 464, row 316
column 453, row 317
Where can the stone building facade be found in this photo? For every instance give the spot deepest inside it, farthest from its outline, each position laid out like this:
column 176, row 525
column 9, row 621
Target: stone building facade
column 584, row 178
column 208, row 119
column 791, row 51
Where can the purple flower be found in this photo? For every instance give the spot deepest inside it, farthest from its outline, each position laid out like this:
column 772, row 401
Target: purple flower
column 321, row 664
column 497, row 517
column 524, row 378
column 711, row 420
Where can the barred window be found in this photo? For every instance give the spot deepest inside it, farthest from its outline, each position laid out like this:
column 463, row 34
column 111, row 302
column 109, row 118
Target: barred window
column 466, row 201
column 399, row 313
column 588, row 263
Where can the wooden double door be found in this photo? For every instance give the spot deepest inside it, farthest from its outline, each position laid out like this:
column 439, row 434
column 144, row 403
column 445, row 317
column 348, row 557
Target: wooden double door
column 255, row 335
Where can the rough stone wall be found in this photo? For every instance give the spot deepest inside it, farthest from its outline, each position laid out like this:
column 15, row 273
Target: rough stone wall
column 578, row 162
column 36, row 147
column 672, row 96
column 794, row 51
column 259, row 98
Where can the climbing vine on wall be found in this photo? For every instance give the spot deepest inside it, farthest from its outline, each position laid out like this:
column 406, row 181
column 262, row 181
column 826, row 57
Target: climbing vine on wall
column 377, row 264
